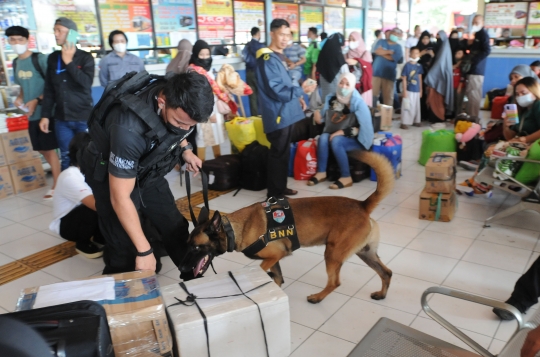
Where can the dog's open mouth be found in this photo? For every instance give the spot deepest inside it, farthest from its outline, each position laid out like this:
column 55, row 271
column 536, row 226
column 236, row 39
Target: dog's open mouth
column 202, row 265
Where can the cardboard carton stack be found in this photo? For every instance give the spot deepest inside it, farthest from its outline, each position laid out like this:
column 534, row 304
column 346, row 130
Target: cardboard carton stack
column 438, row 199
column 20, row 166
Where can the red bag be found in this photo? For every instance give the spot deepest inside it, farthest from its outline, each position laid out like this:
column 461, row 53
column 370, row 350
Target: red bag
column 497, row 107
column 305, row 161
column 365, row 83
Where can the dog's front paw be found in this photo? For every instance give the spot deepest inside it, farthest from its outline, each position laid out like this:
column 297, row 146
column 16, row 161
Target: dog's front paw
column 377, row 295
column 314, row 299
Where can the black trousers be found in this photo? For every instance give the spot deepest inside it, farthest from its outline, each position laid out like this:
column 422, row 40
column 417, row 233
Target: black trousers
column 278, row 160
column 80, row 225
column 251, row 80
column 527, row 288
column 156, row 202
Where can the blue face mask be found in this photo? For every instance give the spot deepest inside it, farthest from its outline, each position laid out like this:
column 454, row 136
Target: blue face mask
column 393, row 38
column 344, row 92
column 310, row 40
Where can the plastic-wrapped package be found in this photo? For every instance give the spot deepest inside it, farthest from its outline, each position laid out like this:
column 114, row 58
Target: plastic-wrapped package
column 233, row 323
column 136, row 313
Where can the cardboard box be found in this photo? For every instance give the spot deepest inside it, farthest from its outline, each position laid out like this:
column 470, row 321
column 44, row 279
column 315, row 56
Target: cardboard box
column 3, row 159
column 429, row 204
column 137, row 318
column 441, row 166
column 17, row 147
column 27, row 175
column 387, row 112
column 441, row 186
column 234, row 323
column 6, row 187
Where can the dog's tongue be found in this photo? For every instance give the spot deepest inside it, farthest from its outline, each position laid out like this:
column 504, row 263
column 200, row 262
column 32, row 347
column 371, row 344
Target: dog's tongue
column 200, row 265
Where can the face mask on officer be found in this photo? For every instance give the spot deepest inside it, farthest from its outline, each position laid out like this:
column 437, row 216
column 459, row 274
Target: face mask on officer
column 171, row 128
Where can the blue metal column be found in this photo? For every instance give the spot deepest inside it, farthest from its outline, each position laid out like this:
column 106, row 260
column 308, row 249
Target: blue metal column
column 268, row 16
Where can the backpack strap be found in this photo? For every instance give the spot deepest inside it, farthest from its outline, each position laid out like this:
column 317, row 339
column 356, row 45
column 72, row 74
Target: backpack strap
column 14, row 66
column 37, row 66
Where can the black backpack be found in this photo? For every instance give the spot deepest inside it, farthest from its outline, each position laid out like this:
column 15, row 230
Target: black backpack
column 35, row 62
column 254, row 161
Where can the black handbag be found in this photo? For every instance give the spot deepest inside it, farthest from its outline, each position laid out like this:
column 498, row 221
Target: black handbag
column 338, row 121
column 77, row 329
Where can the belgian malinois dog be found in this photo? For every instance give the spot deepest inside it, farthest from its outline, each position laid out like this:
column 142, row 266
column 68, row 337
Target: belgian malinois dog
column 343, row 224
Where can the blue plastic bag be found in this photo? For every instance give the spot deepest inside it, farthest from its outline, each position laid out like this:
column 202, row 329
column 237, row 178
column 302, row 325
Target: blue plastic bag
column 392, row 150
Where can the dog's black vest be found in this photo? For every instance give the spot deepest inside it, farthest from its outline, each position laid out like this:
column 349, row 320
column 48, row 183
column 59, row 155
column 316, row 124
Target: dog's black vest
column 280, row 225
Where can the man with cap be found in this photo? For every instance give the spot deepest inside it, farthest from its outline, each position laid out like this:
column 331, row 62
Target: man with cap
column 68, row 89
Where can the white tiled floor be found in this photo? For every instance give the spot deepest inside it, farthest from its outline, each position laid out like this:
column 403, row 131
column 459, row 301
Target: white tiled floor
column 460, row 254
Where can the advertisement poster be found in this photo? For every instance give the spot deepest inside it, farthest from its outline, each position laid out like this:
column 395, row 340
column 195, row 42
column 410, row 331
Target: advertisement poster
column 17, row 13
column 315, row 2
column 310, row 16
column 215, row 21
column 334, row 2
column 373, row 23
column 173, row 19
column 354, row 21
column 288, row 12
column 533, row 29
column 506, row 15
column 131, row 16
column 248, row 14
column 334, row 21
column 355, row 3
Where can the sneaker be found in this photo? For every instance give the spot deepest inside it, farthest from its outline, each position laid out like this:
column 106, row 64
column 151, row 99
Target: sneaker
column 403, row 126
column 88, row 249
column 503, row 314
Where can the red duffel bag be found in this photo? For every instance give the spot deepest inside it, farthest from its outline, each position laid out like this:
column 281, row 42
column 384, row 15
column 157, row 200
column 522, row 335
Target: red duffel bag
column 305, row 161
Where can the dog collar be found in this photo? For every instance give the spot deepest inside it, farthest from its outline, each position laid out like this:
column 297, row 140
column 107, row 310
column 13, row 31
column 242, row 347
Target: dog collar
column 229, row 232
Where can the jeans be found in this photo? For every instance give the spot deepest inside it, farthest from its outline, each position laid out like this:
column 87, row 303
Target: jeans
column 340, row 146
column 65, row 131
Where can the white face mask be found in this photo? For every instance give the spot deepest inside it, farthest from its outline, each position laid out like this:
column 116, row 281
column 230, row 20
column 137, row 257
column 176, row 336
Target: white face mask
column 526, row 100
column 353, row 45
column 475, row 29
column 416, row 59
column 20, row 49
column 120, row 47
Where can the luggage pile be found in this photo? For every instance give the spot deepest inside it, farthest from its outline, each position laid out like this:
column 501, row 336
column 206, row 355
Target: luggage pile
column 438, row 199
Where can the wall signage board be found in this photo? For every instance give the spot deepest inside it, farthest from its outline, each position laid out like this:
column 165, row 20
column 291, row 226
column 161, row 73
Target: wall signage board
column 131, row 16
column 287, row 12
column 215, row 21
column 334, row 21
column 533, row 28
column 174, row 20
column 310, row 16
column 354, row 21
column 506, row 15
column 355, row 3
column 248, row 14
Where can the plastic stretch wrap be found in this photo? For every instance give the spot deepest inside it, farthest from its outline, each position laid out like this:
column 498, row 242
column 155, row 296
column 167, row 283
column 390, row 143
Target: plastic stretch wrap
column 234, row 323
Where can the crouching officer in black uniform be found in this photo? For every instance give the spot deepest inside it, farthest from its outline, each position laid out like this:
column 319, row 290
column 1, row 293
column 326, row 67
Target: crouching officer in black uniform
column 139, row 131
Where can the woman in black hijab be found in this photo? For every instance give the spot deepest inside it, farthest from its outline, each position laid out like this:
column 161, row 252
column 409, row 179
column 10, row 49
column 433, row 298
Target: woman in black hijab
column 454, row 42
column 203, row 59
column 427, row 53
column 329, row 64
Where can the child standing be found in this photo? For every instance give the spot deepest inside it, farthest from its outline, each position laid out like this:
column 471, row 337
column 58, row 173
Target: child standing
column 459, row 82
column 412, row 90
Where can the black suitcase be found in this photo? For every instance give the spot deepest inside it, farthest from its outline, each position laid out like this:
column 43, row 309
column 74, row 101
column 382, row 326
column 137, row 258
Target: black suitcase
column 77, row 329
column 223, row 172
column 359, row 170
column 376, row 119
column 254, row 161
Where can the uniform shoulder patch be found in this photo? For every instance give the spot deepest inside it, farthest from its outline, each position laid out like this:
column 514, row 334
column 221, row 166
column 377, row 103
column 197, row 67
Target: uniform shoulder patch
column 266, row 56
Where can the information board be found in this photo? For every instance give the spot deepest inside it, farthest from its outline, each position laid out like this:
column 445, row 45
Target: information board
column 354, row 21
column 373, row 23
column 17, row 13
column 310, row 16
column 533, row 28
column 215, row 21
column 506, row 15
column 248, row 14
column 355, row 3
column 131, row 16
column 334, row 2
column 287, row 12
column 174, row 20
column 334, row 22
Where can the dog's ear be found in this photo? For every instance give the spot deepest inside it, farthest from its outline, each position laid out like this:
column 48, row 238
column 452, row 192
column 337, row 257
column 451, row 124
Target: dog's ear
column 203, row 215
column 216, row 221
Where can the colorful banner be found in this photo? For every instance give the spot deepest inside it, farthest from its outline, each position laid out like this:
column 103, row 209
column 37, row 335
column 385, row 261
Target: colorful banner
column 310, row 16
column 354, row 21
column 248, row 14
column 173, row 19
column 506, row 15
column 288, row 12
column 215, row 21
column 334, row 22
column 533, row 28
column 334, row 2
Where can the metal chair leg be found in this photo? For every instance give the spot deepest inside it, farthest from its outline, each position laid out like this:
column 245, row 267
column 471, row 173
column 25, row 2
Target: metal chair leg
column 507, row 212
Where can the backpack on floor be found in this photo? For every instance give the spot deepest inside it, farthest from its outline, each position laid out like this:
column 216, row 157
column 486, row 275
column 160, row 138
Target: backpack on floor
column 223, row 172
column 254, row 162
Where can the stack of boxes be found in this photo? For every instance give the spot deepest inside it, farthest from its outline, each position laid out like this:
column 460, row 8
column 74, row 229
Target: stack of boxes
column 438, row 199
column 20, row 166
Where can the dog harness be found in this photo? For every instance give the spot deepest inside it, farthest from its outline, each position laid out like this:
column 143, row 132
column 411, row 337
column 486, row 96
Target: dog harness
column 280, row 225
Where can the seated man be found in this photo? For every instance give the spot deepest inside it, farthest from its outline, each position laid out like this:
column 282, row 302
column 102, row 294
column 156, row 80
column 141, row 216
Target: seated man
column 74, row 206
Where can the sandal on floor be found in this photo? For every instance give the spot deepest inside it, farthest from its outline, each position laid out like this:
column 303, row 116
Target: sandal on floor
column 49, row 195
column 337, row 185
column 314, row 181
column 290, row 192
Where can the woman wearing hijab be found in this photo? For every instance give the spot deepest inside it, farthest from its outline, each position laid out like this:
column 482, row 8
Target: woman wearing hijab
column 440, row 81
column 355, row 132
column 426, row 57
column 331, row 61
column 212, row 133
column 454, row 41
column 357, row 51
column 180, row 63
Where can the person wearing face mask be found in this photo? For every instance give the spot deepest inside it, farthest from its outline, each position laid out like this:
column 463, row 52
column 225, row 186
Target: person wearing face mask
column 362, row 70
column 133, row 147
column 355, row 132
column 479, row 50
column 296, row 57
column 388, row 55
column 213, row 133
column 119, row 62
column 29, row 70
column 527, row 97
column 412, row 90
column 312, row 53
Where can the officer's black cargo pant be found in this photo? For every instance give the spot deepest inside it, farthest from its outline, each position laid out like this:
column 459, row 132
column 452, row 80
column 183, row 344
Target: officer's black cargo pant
column 527, row 288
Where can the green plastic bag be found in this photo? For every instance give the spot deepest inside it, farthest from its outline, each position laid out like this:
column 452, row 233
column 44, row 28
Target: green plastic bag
column 436, row 141
column 529, row 172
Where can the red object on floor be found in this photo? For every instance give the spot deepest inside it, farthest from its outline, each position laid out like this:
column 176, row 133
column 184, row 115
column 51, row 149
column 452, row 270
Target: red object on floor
column 17, row 123
column 497, row 107
column 305, row 161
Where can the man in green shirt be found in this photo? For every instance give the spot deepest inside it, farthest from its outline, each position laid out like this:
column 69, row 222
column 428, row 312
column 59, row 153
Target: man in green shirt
column 29, row 73
column 312, row 53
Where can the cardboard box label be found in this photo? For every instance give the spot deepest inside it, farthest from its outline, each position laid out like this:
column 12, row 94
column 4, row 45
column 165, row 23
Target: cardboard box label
column 6, row 186
column 17, row 147
column 429, row 206
column 441, row 166
column 27, row 176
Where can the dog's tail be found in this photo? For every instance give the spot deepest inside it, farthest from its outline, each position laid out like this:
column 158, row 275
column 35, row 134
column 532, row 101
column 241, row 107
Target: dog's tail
column 385, row 177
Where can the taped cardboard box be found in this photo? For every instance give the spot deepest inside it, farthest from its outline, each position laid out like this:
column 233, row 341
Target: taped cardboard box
column 6, row 187
column 3, row 161
column 441, row 166
column 234, row 323
column 441, row 186
column 136, row 313
column 17, row 147
column 431, row 210
column 387, row 113
column 27, row 176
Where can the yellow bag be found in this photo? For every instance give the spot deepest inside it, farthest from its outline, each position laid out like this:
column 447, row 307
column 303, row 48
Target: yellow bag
column 259, row 130
column 241, row 132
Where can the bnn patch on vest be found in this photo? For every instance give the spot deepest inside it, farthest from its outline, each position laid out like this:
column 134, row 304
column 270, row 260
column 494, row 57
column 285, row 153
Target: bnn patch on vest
column 281, row 233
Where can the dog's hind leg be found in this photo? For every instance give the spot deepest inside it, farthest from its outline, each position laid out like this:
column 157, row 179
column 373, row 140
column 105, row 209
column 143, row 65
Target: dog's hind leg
column 333, row 267
column 371, row 258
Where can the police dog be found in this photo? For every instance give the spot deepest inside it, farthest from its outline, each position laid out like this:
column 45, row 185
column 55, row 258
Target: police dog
column 343, row 224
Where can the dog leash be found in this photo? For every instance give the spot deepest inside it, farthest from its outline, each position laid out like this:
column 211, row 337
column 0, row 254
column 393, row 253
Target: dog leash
column 192, row 300
column 204, row 179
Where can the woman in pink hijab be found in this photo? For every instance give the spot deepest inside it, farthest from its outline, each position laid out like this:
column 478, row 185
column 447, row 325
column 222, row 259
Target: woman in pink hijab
column 358, row 50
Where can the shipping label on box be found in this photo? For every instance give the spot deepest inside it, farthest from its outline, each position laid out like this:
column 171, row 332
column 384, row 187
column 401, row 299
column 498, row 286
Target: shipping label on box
column 437, row 206
column 6, row 187
column 27, row 175
column 17, row 147
column 234, row 323
column 441, row 166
